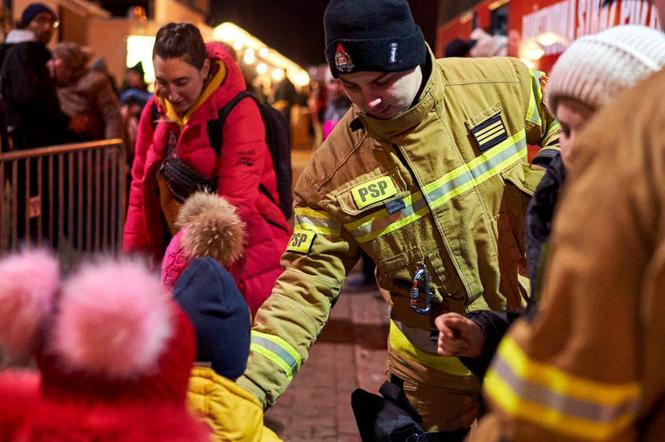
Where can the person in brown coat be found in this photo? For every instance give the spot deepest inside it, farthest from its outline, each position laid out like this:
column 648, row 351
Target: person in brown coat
column 83, row 91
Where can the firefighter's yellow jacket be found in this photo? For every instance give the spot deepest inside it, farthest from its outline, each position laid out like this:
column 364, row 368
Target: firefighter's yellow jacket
column 591, row 364
column 233, row 414
column 444, row 185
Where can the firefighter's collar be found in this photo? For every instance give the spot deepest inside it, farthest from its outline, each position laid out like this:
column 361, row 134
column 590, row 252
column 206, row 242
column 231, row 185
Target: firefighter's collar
column 407, row 120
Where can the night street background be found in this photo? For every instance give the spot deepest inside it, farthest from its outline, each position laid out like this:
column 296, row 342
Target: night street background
column 295, row 27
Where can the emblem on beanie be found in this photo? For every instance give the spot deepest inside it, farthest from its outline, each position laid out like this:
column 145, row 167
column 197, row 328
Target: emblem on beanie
column 343, row 61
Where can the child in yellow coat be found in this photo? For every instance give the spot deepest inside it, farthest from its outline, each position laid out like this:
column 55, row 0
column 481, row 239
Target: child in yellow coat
column 207, row 292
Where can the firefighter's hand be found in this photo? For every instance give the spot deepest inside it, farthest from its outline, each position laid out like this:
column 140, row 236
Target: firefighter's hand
column 459, row 336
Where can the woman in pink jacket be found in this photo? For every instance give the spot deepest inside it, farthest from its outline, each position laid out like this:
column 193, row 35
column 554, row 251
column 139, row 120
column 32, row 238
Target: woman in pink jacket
column 181, row 148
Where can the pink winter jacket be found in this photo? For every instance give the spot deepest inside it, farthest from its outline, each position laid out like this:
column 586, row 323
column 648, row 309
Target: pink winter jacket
column 246, row 179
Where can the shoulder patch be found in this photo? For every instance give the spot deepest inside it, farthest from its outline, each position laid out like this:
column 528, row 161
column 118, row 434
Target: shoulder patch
column 301, row 241
column 373, row 191
column 490, row 132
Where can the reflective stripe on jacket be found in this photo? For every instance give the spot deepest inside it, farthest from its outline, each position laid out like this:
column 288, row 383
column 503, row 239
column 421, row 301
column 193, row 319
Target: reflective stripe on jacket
column 443, row 185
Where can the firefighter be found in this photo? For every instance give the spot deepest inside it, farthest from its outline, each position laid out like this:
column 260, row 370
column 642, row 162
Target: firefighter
column 589, row 365
column 427, row 173
column 584, row 79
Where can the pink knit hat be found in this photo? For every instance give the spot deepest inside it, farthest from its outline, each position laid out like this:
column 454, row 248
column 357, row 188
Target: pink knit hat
column 113, row 350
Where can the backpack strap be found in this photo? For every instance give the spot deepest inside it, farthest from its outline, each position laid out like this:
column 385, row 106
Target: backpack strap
column 228, row 107
column 154, row 115
column 215, row 127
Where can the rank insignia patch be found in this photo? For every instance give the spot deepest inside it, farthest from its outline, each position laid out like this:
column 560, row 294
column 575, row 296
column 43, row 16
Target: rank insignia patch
column 343, row 61
column 489, row 133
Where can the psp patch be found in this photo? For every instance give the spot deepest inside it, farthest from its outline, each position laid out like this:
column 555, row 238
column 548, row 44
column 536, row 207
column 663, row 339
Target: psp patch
column 301, row 241
column 490, row 132
column 373, row 191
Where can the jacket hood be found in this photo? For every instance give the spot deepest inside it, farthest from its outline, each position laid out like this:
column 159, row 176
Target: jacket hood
column 234, row 78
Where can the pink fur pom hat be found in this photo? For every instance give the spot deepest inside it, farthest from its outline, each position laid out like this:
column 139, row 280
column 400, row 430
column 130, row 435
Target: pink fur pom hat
column 209, row 226
column 110, row 344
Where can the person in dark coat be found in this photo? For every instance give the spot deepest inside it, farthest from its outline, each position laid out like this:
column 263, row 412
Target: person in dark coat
column 459, row 47
column 31, row 108
column 285, row 97
column 30, row 100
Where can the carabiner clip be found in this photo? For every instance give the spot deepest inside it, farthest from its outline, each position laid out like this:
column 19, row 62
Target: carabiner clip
column 420, row 281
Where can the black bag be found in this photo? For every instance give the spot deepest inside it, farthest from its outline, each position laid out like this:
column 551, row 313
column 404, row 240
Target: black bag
column 183, row 181
column 391, row 418
column 386, row 418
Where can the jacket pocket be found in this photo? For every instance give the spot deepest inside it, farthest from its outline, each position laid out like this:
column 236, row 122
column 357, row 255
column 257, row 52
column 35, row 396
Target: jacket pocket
column 484, row 115
column 395, row 273
column 348, row 199
column 507, row 243
column 523, row 176
column 512, row 259
column 521, row 181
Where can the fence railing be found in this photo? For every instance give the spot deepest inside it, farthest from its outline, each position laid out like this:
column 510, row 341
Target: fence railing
column 71, row 198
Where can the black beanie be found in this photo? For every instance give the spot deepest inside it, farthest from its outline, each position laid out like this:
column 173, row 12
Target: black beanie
column 219, row 313
column 32, row 11
column 372, row 35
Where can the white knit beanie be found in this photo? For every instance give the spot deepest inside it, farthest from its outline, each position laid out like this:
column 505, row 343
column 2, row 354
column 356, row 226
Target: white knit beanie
column 595, row 68
column 488, row 45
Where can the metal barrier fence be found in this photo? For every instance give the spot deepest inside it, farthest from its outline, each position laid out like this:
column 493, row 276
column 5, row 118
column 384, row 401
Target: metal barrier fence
column 71, row 198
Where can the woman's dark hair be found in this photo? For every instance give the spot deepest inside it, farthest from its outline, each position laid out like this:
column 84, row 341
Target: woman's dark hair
column 180, row 40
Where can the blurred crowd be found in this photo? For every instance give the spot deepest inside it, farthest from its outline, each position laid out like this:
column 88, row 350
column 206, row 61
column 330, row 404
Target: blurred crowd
column 62, row 93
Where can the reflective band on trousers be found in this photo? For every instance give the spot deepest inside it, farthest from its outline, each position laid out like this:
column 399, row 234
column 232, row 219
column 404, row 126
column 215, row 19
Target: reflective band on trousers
column 550, row 397
column 439, row 192
column 447, row 364
column 278, row 351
